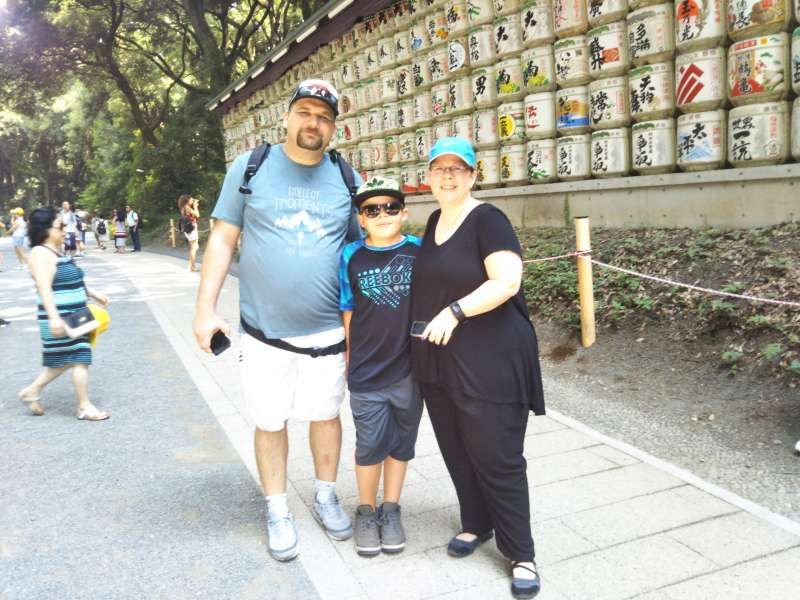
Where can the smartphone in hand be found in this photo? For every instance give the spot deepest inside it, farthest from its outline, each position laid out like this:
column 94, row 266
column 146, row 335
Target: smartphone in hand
column 219, row 342
column 417, row 328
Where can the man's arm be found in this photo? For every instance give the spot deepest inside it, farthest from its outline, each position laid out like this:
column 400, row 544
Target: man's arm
column 216, row 261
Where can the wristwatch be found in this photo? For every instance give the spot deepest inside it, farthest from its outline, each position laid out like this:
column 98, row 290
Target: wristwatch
column 455, row 308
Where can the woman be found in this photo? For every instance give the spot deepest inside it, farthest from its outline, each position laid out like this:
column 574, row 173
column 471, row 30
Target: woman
column 61, row 290
column 118, row 217
column 18, row 231
column 477, row 360
column 190, row 211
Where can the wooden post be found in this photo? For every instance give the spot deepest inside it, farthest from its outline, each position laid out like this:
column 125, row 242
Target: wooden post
column 583, row 243
column 172, row 232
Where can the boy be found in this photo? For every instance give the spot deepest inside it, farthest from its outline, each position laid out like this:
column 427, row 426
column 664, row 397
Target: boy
column 375, row 281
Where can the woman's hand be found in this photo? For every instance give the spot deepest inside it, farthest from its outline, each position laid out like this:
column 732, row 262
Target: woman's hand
column 57, row 327
column 441, row 327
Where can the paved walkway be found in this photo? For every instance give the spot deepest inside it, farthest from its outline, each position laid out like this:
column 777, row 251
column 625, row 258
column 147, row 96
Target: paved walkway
column 609, row 521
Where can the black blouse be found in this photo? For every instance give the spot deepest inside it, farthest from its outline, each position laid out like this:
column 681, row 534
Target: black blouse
column 492, row 357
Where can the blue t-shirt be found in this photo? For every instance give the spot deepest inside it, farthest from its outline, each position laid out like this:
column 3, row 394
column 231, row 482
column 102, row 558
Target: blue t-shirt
column 294, row 226
column 376, row 285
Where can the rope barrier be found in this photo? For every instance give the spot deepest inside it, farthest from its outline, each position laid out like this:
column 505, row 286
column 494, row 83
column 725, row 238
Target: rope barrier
column 665, row 281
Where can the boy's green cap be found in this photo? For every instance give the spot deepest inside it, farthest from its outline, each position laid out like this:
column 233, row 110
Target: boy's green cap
column 378, row 186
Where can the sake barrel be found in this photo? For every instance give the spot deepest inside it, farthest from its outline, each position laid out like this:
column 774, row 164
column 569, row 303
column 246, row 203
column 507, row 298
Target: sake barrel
column 513, row 164
column 346, row 103
column 651, row 34
column 699, row 24
column 480, row 12
column 371, row 60
column 572, row 61
column 796, row 61
column 437, row 64
column 636, row 4
column 484, row 87
column 796, row 129
column 421, row 73
column 424, row 141
column 601, row 12
column 511, row 122
column 402, row 47
column 569, row 18
column 352, row 156
column 611, row 152
column 409, row 183
column 405, row 78
column 389, row 116
column 392, row 144
column 758, row 134
column 701, row 140
column 346, row 73
column 405, row 114
column 459, row 95
column 422, row 178
column 376, row 90
column 487, row 167
column 456, row 16
column 573, row 157
column 388, row 86
column 538, row 69
column 508, row 80
column 441, row 129
column 402, row 14
column 700, row 83
column 572, row 110
column 536, row 23
column 484, row 128
column 462, row 127
column 387, row 57
column 439, row 100
column 653, row 146
column 608, row 50
column 418, row 37
column 608, row 103
column 507, row 37
column 751, row 18
column 362, row 125
column 375, row 126
column 378, row 146
column 436, row 25
column 540, row 115
column 387, row 24
column 360, row 70
column 480, row 41
column 541, row 160
column 758, row 70
column 457, row 57
column 423, row 108
column 506, row 7
column 349, row 130
column 652, row 92
column 408, row 148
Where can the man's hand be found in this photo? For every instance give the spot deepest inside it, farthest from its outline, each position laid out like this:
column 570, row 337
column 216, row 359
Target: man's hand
column 205, row 325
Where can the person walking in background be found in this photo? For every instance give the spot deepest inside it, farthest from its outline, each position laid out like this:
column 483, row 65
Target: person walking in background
column 477, row 360
column 82, row 224
column 100, row 231
column 132, row 223
column 60, row 291
column 189, row 209
column 119, row 231
column 19, row 231
column 70, row 223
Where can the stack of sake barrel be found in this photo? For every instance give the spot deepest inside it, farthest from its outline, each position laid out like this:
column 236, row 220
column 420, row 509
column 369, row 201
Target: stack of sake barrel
column 551, row 90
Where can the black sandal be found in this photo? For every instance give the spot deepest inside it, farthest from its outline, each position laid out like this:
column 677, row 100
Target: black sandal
column 523, row 587
column 460, row 548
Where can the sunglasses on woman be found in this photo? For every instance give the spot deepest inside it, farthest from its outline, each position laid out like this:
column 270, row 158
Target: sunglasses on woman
column 373, row 210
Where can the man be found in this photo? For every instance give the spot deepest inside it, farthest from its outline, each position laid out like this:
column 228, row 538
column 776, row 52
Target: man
column 294, row 224
column 70, row 222
column 132, row 223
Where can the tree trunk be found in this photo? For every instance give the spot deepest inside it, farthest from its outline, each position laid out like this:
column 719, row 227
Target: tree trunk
column 213, row 57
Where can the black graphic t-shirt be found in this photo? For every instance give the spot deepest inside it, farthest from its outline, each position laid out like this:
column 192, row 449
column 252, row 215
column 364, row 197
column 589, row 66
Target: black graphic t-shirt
column 375, row 284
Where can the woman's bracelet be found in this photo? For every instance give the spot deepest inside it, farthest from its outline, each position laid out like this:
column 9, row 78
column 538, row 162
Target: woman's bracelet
column 455, row 308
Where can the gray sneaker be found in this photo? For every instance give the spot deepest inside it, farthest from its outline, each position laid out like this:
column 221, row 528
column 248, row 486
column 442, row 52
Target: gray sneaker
column 332, row 517
column 368, row 533
column 393, row 537
column 282, row 537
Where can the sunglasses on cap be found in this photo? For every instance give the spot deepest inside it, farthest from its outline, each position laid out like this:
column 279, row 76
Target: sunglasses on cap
column 373, row 210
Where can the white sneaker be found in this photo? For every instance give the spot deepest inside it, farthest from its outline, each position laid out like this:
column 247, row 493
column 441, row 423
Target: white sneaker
column 282, row 542
column 332, row 517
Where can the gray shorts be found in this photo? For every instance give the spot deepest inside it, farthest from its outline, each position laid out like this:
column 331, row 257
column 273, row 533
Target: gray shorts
column 387, row 422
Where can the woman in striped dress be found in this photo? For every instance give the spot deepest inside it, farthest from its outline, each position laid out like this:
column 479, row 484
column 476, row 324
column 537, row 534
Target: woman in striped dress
column 61, row 290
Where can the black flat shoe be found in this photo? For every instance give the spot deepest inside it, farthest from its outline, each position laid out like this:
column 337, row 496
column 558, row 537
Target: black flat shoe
column 524, row 587
column 459, row 548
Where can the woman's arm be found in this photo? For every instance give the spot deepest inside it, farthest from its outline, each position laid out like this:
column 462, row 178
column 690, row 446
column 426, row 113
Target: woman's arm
column 42, row 266
column 504, row 271
column 100, row 297
column 347, row 315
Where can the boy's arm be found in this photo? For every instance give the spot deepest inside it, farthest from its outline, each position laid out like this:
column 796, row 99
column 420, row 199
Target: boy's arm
column 346, row 316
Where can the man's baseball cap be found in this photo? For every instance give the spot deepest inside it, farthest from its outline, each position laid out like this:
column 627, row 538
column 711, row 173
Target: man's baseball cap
column 378, row 186
column 457, row 146
column 318, row 89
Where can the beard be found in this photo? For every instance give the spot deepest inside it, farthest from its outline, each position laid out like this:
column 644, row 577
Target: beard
column 309, row 141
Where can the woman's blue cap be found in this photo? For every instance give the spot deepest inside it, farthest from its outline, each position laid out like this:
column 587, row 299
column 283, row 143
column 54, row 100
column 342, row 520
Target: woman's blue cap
column 457, row 146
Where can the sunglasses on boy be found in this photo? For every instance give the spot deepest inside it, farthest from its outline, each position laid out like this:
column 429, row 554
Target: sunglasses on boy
column 373, row 210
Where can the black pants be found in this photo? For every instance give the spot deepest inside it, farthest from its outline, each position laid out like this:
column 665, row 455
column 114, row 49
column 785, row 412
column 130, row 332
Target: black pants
column 135, row 238
column 482, row 447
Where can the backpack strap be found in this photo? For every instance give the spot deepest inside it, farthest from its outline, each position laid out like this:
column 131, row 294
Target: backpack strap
column 348, row 175
column 257, row 156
